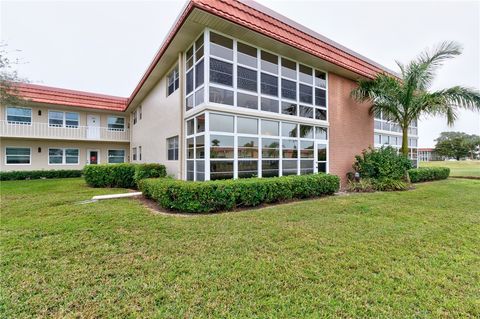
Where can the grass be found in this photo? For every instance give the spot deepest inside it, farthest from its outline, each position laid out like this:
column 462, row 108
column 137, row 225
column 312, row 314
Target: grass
column 404, row 254
column 457, row 168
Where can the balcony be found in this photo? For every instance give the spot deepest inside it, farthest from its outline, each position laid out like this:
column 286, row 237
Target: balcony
column 44, row 130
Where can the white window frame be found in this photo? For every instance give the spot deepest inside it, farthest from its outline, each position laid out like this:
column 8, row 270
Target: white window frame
column 118, row 149
column 15, row 164
column 177, row 138
column 134, row 154
column 140, row 153
column 64, row 156
column 18, row 107
column 175, row 74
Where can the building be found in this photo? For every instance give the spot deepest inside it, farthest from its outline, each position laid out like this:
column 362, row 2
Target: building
column 236, row 90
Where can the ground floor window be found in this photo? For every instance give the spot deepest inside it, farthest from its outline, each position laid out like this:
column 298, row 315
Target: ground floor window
column 134, row 154
column 232, row 146
column 116, row 156
column 18, row 155
column 60, row 156
column 172, row 148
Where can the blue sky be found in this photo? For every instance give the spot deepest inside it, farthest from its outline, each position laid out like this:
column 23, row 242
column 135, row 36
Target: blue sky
column 106, row 46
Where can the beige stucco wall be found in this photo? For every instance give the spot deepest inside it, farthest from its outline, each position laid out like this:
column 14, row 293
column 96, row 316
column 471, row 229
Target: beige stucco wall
column 39, row 160
column 161, row 119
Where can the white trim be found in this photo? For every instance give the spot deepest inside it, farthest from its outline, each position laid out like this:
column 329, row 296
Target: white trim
column 5, row 150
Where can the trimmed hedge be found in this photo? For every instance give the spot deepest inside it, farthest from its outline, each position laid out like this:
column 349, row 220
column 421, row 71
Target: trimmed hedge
column 213, row 196
column 424, row 174
column 125, row 175
column 38, row 174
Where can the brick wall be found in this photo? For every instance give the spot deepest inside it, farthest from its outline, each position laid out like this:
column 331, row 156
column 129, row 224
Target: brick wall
column 351, row 126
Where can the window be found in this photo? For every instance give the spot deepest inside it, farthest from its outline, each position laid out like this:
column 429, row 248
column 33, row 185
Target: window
column 289, row 129
column 247, row 169
column 17, row 156
column 134, row 117
column 221, row 96
column 62, row 156
column 289, row 89
column 306, row 131
column 195, row 74
column 221, row 170
column 322, row 157
column 116, row 156
column 270, row 128
column 306, row 94
column 19, row 115
column 221, row 146
column 320, row 97
column 289, row 148
column 269, row 105
column 139, row 153
column 269, row 84
column 134, row 153
column 289, row 69
column 269, row 62
column 247, row 100
column 246, row 79
column 247, row 147
column 116, row 123
column 246, row 55
column 172, row 81
column 270, row 148
column 320, row 79
column 221, row 123
column 305, row 74
column 321, row 133
column 63, row 119
column 221, row 46
column 305, row 111
column 289, row 108
column 140, row 112
column 172, row 148
column 247, row 125
column 221, row 72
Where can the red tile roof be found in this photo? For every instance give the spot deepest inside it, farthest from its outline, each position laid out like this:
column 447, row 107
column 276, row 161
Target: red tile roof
column 257, row 18
column 50, row 95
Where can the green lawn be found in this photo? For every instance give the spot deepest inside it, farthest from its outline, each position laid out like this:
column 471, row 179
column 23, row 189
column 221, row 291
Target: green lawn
column 404, row 254
column 457, row 168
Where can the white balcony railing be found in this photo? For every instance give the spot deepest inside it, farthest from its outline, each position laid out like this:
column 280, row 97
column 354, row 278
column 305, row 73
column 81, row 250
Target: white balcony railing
column 44, row 130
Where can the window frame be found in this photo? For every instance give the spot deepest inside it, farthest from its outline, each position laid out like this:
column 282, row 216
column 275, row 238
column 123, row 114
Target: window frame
column 18, row 164
column 173, row 75
column 64, row 119
column 175, row 154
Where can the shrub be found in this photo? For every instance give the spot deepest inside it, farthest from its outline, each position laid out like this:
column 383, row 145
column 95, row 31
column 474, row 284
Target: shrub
column 389, row 184
column 125, row 175
column 382, row 163
column 364, row 185
column 424, row 174
column 213, row 196
column 19, row 175
column 152, row 170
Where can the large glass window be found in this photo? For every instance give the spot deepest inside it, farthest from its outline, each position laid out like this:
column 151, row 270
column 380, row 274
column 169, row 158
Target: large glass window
column 72, row 155
column 269, row 105
column 289, row 129
column 247, row 100
column 247, row 147
column 289, row 89
column 247, row 125
column 247, row 169
column 116, row 123
column 246, row 55
column 55, row 118
column 306, row 95
column 55, row 156
column 59, row 156
column 19, row 115
column 270, row 128
column 17, row 156
column 289, row 69
column 63, row 119
column 221, row 72
column 289, row 108
column 221, row 170
column 270, row 148
column 195, row 74
column 222, row 96
column 269, row 62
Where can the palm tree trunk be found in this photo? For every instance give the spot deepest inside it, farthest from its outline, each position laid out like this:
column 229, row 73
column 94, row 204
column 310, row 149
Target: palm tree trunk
column 404, row 149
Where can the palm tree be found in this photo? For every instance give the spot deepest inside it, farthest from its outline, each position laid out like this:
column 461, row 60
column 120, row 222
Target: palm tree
column 405, row 99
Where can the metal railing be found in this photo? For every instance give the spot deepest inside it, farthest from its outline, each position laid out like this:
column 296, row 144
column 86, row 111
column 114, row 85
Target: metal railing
column 44, row 130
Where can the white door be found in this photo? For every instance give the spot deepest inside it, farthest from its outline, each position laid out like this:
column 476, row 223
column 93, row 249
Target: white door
column 93, row 127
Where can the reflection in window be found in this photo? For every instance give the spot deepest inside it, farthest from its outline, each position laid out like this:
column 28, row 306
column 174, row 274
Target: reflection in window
column 289, row 129
column 221, row 146
column 289, row 148
column 221, row 96
column 247, row 147
column 289, row 89
column 247, row 169
column 247, row 100
column 270, row 168
column 246, row 79
column 221, row 72
column 289, row 108
column 247, row 125
column 269, row 105
column 269, row 84
column 270, row 128
column 221, row 123
column 305, row 111
column 221, row 170
column 306, row 94
column 270, row 148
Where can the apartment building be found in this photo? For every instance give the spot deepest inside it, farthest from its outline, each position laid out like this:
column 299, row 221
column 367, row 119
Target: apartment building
column 236, row 90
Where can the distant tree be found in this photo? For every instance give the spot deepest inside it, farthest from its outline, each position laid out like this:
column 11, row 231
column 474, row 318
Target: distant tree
column 8, row 78
column 474, row 146
column 405, row 99
column 454, row 145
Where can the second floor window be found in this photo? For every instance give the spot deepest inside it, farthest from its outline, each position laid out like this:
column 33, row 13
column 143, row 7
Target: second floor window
column 19, row 115
column 172, row 147
column 116, row 123
column 63, row 119
column 172, row 81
